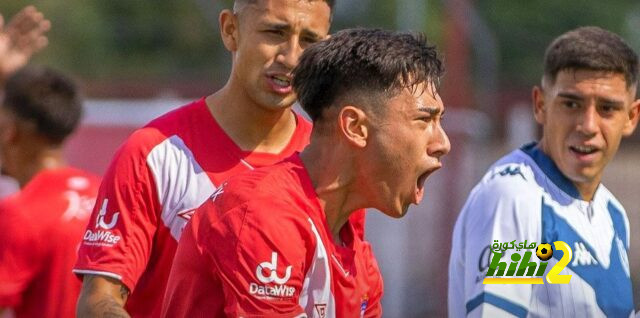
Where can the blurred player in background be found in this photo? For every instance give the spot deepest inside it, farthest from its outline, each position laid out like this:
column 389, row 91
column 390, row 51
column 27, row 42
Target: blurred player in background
column 277, row 241
column 19, row 40
column 550, row 190
column 170, row 167
column 41, row 225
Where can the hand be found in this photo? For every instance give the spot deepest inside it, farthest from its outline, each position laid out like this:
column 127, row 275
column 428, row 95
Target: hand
column 20, row 39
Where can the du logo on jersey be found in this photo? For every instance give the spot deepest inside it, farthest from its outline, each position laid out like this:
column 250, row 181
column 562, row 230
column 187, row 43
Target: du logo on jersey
column 100, row 220
column 267, row 273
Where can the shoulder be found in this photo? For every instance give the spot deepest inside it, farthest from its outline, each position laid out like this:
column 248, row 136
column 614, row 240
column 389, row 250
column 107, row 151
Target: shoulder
column 509, row 186
column 166, row 128
column 511, row 177
column 256, row 201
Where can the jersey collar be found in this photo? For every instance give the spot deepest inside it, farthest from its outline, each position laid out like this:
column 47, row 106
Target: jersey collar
column 550, row 169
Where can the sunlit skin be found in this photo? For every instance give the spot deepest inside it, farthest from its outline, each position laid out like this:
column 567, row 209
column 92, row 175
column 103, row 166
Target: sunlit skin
column 405, row 146
column 362, row 159
column 584, row 115
column 266, row 39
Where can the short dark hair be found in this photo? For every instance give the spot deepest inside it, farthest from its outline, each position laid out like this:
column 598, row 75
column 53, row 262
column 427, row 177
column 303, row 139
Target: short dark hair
column 365, row 65
column 329, row 2
column 45, row 97
column 591, row 48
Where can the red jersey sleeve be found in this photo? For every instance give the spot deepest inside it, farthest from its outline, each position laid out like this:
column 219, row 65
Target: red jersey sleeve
column 120, row 233
column 20, row 260
column 249, row 261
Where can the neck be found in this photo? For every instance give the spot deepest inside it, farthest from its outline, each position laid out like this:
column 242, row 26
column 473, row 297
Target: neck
column 250, row 126
column 31, row 162
column 334, row 179
column 587, row 191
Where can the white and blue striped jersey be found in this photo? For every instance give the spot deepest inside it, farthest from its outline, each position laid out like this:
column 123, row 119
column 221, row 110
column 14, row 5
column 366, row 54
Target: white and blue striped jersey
column 522, row 197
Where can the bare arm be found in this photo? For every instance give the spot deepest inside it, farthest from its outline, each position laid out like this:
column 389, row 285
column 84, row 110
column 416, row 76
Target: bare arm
column 102, row 297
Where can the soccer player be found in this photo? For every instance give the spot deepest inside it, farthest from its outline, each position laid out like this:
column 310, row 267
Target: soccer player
column 550, row 190
column 170, row 167
column 41, row 225
column 277, row 241
column 23, row 36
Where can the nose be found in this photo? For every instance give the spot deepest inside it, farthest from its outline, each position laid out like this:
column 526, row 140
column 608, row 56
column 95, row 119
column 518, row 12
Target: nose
column 289, row 52
column 588, row 120
column 440, row 144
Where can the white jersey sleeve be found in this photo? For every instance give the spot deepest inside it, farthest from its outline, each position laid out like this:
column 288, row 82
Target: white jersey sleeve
column 502, row 207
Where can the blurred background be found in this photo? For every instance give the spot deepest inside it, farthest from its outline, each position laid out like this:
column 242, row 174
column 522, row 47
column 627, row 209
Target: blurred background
column 139, row 59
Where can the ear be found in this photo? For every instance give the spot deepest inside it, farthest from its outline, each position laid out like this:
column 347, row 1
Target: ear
column 537, row 98
column 631, row 124
column 352, row 123
column 10, row 133
column 228, row 22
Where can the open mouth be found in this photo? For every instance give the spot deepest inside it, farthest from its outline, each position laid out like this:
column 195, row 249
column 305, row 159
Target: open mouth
column 281, row 80
column 583, row 150
column 420, row 186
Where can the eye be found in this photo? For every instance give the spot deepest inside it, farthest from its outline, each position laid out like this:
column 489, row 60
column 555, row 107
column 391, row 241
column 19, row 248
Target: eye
column 309, row 40
column 275, row 32
column 571, row 104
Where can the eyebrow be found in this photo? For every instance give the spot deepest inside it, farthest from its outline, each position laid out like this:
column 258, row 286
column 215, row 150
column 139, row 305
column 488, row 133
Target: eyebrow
column 577, row 97
column 287, row 28
column 433, row 111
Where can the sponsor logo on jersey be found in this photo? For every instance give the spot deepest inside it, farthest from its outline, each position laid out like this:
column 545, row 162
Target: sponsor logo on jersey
column 267, row 273
column 509, row 171
column 101, row 236
column 100, row 220
column 79, row 207
column 582, row 256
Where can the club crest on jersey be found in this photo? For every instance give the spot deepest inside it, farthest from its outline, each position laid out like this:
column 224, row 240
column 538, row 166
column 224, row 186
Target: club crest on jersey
column 363, row 305
column 267, row 273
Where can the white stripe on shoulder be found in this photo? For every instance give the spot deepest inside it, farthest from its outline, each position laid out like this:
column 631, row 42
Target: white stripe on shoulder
column 181, row 183
column 316, row 287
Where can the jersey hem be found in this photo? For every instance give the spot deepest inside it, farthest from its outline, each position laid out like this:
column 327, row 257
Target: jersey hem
column 99, row 273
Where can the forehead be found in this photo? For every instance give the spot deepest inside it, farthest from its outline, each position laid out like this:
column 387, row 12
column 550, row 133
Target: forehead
column 591, row 82
column 309, row 14
column 417, row 98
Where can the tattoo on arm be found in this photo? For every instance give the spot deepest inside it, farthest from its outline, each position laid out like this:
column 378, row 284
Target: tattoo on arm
column 109, row 308
column 102, row 297
column 124, row 292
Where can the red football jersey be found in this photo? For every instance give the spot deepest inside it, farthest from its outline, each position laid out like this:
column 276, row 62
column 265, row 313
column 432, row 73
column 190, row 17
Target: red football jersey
column 40, row 230
column 261, row 247
column 156, row 180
